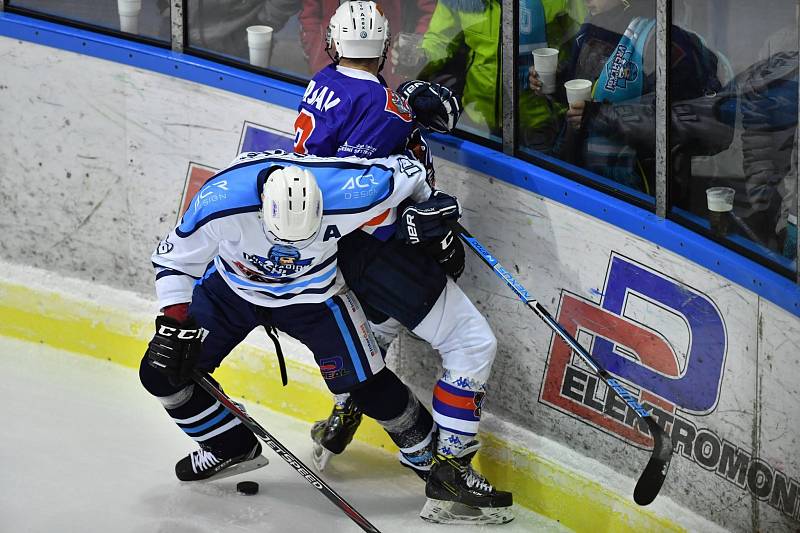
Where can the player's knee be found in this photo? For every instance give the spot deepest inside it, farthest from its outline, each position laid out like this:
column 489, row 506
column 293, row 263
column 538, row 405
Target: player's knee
column 483, row 348
column 383, row 397
column 483, row 337
column 154, row 381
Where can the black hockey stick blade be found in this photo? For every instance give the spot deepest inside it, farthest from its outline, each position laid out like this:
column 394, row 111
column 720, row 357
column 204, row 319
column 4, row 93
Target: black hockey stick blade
column 655, row 472
column 210, row 387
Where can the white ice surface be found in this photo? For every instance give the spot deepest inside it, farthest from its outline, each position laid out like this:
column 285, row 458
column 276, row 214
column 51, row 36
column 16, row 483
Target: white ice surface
column 84, row 448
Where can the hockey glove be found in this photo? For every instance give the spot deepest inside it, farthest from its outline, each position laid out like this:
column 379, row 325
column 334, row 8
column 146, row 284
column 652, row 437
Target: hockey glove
column 435, row 106
column 175, row 348
column 449, row 253
column 427, row 221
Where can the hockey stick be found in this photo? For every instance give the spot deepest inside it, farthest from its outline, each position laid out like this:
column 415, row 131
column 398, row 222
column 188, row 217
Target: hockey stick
column 651, row 480
column 203, row 380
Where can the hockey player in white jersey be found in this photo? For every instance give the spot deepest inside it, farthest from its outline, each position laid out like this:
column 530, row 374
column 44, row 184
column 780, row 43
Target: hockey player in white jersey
column 270, row 223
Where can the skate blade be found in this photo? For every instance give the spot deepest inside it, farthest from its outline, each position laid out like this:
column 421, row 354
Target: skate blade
column 320, row 456
column 240, row 468
column 445, row 512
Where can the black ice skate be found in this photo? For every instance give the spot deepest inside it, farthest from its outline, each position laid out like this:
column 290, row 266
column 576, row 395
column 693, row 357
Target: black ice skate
column 334, row 434
column 203, row 465
column 459, row 495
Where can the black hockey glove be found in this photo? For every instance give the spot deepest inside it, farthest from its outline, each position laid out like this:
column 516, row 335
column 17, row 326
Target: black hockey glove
column 449, row 253
column 427, row 221
column 435, row 106
column 175, row 348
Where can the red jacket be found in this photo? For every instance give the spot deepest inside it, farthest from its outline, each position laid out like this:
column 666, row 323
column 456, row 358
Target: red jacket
column 316, row 14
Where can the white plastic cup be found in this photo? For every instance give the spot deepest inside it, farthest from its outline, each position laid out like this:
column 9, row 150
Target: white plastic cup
column 545, row 62
column 548, row 80
column 578, row 90
column 259, row 42
column 720, row 199
column 129, row 15
column 720, row 204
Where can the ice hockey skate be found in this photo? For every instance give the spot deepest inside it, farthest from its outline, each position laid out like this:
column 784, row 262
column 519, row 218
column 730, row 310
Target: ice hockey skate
column 331, row 436
column 204, row 465
column 459, row 495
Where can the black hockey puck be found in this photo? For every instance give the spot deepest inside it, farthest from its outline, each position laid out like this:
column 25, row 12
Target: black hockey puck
column 247, row 487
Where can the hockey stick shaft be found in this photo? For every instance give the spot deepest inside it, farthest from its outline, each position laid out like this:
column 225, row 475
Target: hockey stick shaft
column 654, row 474
column 205, row 382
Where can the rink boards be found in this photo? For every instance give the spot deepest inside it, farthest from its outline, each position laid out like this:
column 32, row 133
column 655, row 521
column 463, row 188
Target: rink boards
column 99, row 159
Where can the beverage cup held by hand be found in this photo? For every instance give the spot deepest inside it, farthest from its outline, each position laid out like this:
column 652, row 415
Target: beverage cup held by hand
column 720, row 204
column 578, row 91
column 129, row 15
column 545, row 61
column 259, row 42
column 548, row 80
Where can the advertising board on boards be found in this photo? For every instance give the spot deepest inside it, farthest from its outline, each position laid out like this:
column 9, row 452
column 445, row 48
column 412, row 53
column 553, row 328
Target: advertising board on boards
column 667, row 342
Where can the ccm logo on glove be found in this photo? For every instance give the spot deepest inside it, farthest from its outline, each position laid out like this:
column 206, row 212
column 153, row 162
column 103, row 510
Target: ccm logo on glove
column 183, row 334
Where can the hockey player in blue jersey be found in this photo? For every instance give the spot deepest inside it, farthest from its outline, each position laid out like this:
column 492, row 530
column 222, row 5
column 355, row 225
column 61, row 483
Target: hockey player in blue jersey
column 347, row 109
column 270, row 223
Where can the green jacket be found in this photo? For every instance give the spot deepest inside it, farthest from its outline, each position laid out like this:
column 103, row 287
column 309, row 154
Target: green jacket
column 479, row 31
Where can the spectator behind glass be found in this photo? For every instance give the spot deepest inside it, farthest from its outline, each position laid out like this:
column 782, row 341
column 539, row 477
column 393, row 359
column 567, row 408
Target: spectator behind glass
column 221, row 25
column 470, row 30
column 769, row 93
column 404, row 18
column 614, row 134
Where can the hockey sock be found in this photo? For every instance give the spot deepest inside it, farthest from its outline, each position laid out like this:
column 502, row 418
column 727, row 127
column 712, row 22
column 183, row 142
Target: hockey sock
column 457, row 411
column 341, row 399
column 412, row 431
column 199, row 415
column 208, row 422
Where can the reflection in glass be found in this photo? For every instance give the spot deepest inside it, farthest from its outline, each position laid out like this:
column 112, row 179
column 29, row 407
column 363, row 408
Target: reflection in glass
column 757, row 112
column 221, row 27
column 141, row 17
column 461, row 47
column 611, row 131
column 547, row 31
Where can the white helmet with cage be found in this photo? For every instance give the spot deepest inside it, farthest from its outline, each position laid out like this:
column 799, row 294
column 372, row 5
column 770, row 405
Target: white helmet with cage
column 292, row 207
column 359, row 29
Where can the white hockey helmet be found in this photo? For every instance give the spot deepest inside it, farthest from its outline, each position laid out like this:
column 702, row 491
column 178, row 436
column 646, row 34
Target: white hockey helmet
column 292, row 206
column 359, row 29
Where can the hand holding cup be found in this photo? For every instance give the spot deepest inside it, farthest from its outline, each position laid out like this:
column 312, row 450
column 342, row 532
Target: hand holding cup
column 534, row 82
column 545, row 64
